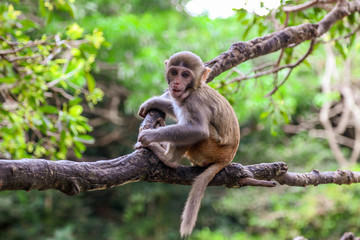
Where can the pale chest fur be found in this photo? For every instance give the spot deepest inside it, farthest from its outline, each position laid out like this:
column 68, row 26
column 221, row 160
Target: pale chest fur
column 180, row 114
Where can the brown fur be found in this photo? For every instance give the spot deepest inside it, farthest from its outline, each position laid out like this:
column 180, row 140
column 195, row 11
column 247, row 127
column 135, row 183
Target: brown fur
column 207, row 130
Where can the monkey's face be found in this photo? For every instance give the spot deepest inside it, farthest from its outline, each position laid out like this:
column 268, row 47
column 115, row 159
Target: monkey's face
column 181, row 82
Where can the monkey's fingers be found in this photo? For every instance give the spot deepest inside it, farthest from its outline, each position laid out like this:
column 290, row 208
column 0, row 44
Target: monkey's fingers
column 142, row 113
column 138, row 145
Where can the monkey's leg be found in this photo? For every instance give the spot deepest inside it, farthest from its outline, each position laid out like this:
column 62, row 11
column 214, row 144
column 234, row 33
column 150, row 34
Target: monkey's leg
column 169, row 156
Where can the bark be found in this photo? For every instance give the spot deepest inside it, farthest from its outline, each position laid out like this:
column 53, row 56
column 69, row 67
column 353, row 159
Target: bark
column 75, row 177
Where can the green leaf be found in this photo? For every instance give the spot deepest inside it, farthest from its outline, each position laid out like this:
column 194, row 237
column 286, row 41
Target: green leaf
column 47, row 122
column 264, row 115
column 71, row 9
column 340, row 48
column 42, row 8
column 351, row 18
column 76, row 110
column 288, row 55
column 261, row 29
column 74, row 31
column 27, row 24
column 49, row 109
column 49, row 17
column 240, row 13
column 273, row 131
column 90, row 82
column 75, row 101
column 80, row 146
column 285, row 116
column 247, row 30
column 77, row 153
column 306, row 62
column 8, row 80
column 87, row 139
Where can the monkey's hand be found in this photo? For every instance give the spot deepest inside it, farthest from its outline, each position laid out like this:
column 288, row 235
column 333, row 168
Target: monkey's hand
column 144, row 108
column 146, row 137
column 138, row 145
column 161, row 103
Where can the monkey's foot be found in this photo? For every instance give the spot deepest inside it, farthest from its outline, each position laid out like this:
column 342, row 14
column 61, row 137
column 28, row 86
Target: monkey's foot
column 171, row 164
column 160, row 122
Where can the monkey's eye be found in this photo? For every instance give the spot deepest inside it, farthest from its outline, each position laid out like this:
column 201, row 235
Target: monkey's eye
column 174, row 72
column 185, row 74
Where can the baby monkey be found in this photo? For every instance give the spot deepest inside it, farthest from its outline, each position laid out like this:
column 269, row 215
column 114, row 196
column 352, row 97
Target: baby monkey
column 207, row 130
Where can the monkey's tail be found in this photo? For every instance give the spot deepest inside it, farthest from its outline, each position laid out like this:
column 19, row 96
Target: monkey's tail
column 193, row 202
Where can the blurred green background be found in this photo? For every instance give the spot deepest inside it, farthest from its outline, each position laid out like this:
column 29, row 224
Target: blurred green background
column 120, row 46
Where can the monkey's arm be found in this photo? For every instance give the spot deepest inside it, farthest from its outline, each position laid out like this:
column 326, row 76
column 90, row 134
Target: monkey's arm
column 180, row 134
column 162, row 103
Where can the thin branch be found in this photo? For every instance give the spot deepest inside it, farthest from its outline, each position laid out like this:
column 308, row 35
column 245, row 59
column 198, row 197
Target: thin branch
column 349, row 97
column 300, row 7
column 261, row 67
column 315, row 178
column 354, row 31
column 66, row 76
column 274, row 70
column 13, row 59
column 311, row 48
column 25, row 45
column 345, row 141
column 62, row 92
column 242, row 51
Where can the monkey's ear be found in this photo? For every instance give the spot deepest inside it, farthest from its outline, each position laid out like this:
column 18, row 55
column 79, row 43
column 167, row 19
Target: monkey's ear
column 166, row 62
column 205, row 74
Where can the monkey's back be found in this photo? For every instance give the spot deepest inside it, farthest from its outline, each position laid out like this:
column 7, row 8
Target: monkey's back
column 224, row 128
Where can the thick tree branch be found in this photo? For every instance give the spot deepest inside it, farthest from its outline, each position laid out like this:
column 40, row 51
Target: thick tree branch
column 142, row 165
column 291, row 36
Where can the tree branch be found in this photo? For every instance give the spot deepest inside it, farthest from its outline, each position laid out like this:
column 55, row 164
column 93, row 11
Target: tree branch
column 291, row 36
column 142, row 165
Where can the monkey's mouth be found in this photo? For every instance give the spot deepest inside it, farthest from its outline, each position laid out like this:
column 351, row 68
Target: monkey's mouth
column 179, row 93
column 176, row 93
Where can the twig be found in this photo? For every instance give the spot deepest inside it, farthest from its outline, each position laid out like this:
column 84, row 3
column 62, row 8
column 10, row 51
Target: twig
column 66, row 76
column 300, row 7
column 311, row 48
column 274, row 70
column 341, row 37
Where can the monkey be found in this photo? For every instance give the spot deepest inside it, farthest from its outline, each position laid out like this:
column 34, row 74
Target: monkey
column 207, row 129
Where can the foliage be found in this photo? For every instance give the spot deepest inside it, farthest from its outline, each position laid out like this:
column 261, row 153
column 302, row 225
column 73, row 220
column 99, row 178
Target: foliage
column 141, row 43
column 43, row 81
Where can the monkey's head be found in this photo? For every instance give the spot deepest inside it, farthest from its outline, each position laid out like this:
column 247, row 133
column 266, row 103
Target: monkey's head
column 185, row 72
